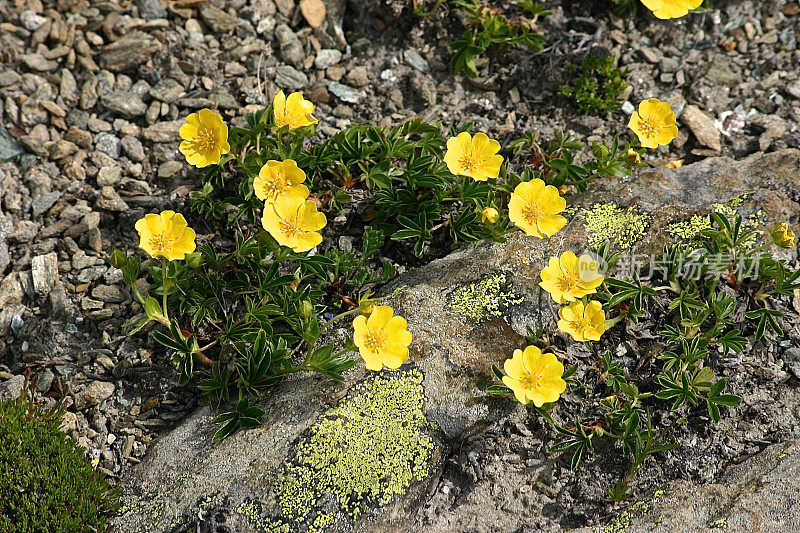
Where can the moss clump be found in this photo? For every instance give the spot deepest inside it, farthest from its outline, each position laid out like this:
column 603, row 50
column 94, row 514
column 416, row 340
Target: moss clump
column 483, row 299
column 46, row 481
column 360, row 454
column 609, row 223
column 598, row 84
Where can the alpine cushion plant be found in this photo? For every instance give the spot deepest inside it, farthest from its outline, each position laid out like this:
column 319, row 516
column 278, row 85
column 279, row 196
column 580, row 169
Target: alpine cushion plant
column 205, row 138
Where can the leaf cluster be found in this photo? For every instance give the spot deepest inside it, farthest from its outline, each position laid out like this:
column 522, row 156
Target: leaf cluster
column 491, row 27
column 46, row 481
column 597, row 85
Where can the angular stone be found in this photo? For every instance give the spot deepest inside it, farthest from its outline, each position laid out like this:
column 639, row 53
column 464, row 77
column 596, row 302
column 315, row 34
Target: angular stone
column 220, row 21
column 314, row 12
column 702, row 126
column 62, row 148
column 345, row 93
column 11, row 389
column 38, row 62
column 42, row 202
column 124, row 103
column 163, row 132
column 95, row 393
column 44, row 271
column 327, row 57
column 167, row 90
column 9, row 148
column 129, row 52
column 110, row 200
column 290, row 45
column 290, row 78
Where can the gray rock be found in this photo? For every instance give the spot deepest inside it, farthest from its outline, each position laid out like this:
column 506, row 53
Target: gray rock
column 133, row 148
column 151, row 9
column 424, row 86
column 38, row 62
column 108, row 293
column 720, row 72
column 9, row 77
column 415, row 59
column 167, row 90
column 290, row 45
column 35, row 140
column 31, row 21
column 224, row 99
column 108, row 176
column 702, row 126
column 760, row 494
column 11, row 389
column 163, row 132
column 327, row 57
column 9, row 148
column 109, row 200
column 62, row 148
column 457, row 337
column 345, row 93
column 124, row 103
column 44, row 271
column 290, row 78
column 95, row 393
column 108, row 143
column 43, row 202
column 169, row 169
column 68, row 89
column 218, row 20
column 129, row 52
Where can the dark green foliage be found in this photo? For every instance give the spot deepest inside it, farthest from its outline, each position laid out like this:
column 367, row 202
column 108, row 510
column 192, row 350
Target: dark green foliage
column 47, row 484
column 489, row 27
column 598, row 84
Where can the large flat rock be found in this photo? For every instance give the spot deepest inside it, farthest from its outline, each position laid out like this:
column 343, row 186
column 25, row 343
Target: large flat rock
column 466, row 311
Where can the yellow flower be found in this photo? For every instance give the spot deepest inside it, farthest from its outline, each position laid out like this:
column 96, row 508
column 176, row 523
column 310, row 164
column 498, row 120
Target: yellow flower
column 671, row 9
column 534, row 208
column 166, row 235
column 278, row 178
column 205, row 138
column 678, row 163
column 633, row 156
column 474, row 157
column 382, row 339
column 294, row 222
column 654, row 124
column 783, row 236
column 569, row 277
column 294, row 111
column 583, row 324
column 490, row 215
column 534, row 376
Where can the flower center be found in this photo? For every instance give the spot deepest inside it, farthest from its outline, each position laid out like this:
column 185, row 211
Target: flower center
column 159, row 242
column 374, row 341
column 273, row 188
column 205, row 139
column 567, row 282
column 531, row 213
column 468, row 162
column 581, row 324
column 648, row 127
column 291, row 227
column 529, row 380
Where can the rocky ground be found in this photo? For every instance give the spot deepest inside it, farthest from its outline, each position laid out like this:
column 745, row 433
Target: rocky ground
column 92, row 94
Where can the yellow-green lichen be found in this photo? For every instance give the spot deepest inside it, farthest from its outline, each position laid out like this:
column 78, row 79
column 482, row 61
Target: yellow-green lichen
column 607, row 222
column 637, row 510
column 721, row 523
column 363, row 453
column 483, row 299
column 689, row 230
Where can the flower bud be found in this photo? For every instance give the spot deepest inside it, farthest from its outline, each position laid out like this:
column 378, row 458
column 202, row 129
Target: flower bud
column 489, row 215
column 782, row 235
column 306, row 309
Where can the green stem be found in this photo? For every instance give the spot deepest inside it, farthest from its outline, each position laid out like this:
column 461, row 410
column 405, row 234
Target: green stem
column 311, row 345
